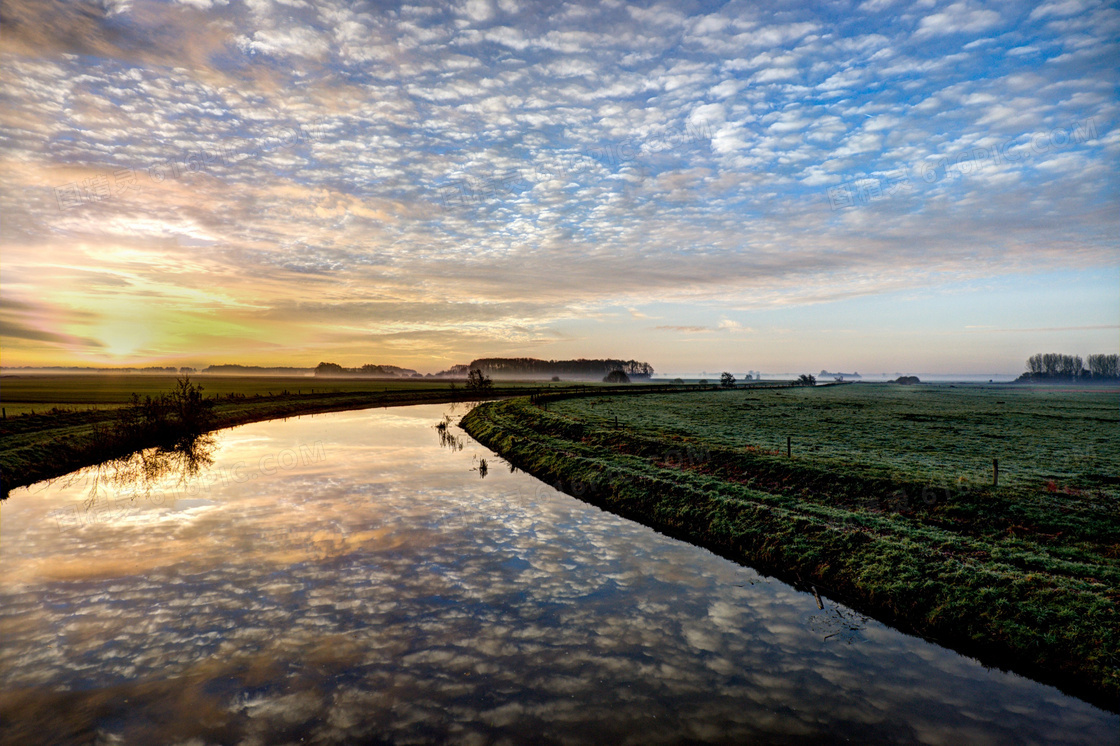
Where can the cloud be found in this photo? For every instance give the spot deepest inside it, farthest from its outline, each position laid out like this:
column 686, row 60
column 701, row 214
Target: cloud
column 1060, row 9
column 13, row 330
column 533, row 167
column 958, row 18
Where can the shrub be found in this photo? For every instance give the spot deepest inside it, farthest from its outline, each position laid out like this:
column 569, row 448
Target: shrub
column 616, row 376
column 478, row 382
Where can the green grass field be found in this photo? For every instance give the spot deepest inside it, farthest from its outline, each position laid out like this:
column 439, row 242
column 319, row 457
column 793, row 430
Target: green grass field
column 40, row 393
column 887, row 502
column 941, row 435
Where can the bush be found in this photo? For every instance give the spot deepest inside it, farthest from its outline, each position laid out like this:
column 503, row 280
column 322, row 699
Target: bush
column 726, row 380
column 478, row 382
column 182, row 414
column 806, row 379
column 616, row 376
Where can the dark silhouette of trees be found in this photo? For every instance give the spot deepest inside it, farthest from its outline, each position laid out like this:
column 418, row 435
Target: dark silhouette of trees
column 1104, row 366
column 183, row 413
column 616, row 376
column 528, row 367
column 369, row 370
column 1053, row 366
column 726, row 380
column 476, row 381
column 806, row 379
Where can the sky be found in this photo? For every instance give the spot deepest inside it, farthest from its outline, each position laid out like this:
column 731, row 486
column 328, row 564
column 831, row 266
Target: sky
column 883, row 185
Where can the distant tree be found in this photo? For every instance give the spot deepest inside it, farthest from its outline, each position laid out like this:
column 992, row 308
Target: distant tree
column 556, row 379
column 186, row 370
column 478, row 382
column 1052, row 365
column 1104, row 366
column 678, row 381
column 726, row 380
column 616, row 376
column 527, row 367
column 703, row 381
column 806, row 379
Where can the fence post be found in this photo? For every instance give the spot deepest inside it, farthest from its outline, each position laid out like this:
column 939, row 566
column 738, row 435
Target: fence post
column 789, row 446
column 995, row 472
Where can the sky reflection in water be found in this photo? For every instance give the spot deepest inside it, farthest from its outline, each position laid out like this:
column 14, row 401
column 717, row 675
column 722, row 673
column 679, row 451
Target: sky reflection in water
column 344, row 577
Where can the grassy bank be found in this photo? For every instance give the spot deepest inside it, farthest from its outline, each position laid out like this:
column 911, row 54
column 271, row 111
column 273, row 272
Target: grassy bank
column 77, row 420
column 886, row 503
column 55, row 424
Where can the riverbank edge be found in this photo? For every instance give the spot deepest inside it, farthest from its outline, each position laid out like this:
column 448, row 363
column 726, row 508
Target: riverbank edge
column 71, row 448
column 68, row 442
column 808, row 556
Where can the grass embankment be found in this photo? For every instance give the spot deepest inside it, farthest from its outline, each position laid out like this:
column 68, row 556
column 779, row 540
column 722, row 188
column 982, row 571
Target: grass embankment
column 1024, row 576
column 66, row 422
column 59, row 438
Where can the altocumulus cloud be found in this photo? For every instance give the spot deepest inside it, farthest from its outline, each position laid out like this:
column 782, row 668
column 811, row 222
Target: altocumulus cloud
column 533, row 162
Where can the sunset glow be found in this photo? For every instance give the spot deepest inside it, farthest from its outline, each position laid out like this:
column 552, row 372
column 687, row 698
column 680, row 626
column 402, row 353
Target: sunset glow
column 892, row 186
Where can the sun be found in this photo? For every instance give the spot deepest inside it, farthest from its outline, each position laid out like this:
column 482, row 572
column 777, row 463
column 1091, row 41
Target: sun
column 123, row 338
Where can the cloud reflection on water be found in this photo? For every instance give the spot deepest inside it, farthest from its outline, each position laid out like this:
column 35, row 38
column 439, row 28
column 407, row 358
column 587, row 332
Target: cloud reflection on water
column 387, row 591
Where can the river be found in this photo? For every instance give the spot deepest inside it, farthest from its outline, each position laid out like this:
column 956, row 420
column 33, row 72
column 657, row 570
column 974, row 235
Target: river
column 356, row 577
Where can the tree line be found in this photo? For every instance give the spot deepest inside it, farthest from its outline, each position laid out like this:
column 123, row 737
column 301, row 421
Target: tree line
column 528, row 367
column 1056, row 366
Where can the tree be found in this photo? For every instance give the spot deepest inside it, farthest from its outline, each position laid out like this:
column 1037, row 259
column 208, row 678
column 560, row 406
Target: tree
column 806, row 379
column 478, row 382
column 1104, row 366
column 726, row 380
column 1053, row 365
column 678, row 381
column 616, row 376
column 191, row 406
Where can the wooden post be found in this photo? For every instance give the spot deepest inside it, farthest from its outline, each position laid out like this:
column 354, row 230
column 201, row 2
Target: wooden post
column 616, row 420
column 995, row 472
column 789, row 446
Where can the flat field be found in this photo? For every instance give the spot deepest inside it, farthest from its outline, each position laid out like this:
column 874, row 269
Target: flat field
column 886, row 503
column 941, row 435
column 40, row 393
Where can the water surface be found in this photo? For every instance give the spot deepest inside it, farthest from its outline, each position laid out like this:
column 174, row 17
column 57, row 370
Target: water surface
column 348, row 577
